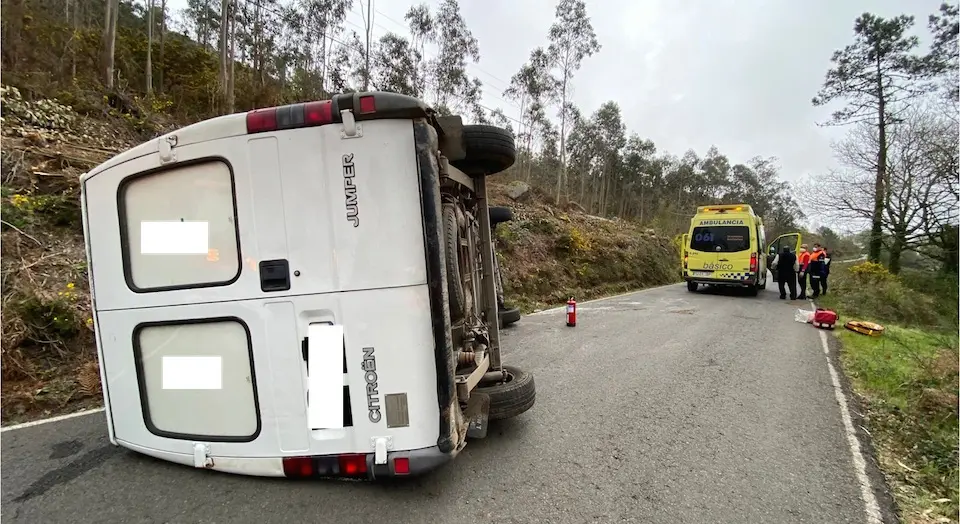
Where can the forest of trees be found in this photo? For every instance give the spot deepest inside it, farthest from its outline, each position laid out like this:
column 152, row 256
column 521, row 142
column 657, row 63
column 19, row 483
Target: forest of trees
column 197, row 63
column 899, row 160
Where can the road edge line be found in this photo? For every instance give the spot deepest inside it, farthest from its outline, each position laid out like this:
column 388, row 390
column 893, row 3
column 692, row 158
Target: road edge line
column 635, row 291
column 68, row 416
column 871, row 507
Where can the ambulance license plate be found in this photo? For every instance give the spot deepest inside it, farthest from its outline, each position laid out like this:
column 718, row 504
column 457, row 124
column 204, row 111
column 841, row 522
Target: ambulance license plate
column 703, row 273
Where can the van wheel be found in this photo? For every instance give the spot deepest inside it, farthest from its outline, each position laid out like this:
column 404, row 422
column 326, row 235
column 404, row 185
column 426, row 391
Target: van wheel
column 489, row 150
column 691, row 286
column 451, row 241
column 500, row 214
column 508, row 316
column 753, row 290
column 512, row 397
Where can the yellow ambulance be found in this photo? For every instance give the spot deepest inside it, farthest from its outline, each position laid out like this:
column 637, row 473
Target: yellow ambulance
column 725, row 247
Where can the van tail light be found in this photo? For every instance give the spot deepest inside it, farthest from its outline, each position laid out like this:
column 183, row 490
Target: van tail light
column 348, row 465
column 753, row 262
column 290, row 117
column 353, row 465
column 685, row 260
column 401, row 465
column 368, row 104
column 298, row 467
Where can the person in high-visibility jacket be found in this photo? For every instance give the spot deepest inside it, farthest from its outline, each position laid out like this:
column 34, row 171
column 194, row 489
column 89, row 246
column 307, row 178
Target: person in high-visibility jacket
column 815, row 269
column 803, row 258
column 826, row 271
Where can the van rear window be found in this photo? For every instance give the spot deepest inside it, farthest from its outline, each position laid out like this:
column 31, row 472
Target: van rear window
column 179, row 227
column 720, row 239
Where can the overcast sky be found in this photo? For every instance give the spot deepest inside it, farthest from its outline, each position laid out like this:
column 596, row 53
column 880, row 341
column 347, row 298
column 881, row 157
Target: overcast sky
column 738, row 74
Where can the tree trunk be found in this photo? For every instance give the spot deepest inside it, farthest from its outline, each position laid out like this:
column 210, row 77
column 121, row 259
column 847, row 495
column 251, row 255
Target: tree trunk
column 896, row 250
column 369, row 35
column 562, row 175
column 109, row 41
column 149, row 71
column 76, row 35
column 231, row 83
column 224, row 45
column 876, row 230
column 163, row 31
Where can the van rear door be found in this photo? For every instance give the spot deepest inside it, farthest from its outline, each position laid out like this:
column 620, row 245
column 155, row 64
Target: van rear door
column 701, row 254
column 719, row 250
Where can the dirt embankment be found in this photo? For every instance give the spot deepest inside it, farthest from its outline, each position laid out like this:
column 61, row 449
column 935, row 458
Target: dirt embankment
column 49, row 361
column 549, row 254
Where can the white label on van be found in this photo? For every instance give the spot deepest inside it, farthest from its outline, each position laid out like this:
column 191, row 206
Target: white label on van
column 181, row 372
column 170, row 237
column 325, row 371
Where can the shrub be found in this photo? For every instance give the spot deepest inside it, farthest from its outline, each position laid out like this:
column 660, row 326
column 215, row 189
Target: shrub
column 22, row 210
column 869, row 292
column 572, row 242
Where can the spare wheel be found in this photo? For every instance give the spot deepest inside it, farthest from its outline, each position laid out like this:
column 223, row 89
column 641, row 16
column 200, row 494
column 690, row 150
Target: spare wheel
column 500, row 214
column 489, row 150
column 512, row 397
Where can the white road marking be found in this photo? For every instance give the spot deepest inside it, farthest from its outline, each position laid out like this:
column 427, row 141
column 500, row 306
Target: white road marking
column 870, row 505
column 628, row 293
column 51, row 419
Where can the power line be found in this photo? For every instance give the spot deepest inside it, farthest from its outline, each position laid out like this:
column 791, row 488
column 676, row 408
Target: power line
column 338, row 41
column 477, row 67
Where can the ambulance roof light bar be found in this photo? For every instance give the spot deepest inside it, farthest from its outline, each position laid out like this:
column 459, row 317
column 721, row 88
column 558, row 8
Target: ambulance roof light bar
column 724, row 208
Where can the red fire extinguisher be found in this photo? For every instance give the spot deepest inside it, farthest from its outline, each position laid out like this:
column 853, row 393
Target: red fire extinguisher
column 571, row 312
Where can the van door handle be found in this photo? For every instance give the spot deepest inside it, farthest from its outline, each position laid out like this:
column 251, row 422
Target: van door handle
column 724, row 260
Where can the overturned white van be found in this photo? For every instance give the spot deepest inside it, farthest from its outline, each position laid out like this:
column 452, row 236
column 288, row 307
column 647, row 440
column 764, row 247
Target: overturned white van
column 302, row 291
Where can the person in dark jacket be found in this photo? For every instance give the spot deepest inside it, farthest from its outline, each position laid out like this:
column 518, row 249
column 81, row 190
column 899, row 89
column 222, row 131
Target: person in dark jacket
column 786, row 266
column 826, row 271
column 815, row 269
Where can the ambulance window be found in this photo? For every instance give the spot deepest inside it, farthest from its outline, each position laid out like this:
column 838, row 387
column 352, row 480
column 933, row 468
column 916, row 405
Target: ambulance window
column 179, row 228
column 721, row 239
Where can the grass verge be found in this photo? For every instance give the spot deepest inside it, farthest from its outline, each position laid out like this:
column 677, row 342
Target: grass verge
column 907, row 382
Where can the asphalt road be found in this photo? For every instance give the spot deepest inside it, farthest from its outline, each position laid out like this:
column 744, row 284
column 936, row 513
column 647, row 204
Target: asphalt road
column 660, row 406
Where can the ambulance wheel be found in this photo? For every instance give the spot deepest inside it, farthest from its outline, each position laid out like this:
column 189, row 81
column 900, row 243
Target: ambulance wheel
column 451, row 245
column 512, row 397
column 509, row 316
column 500, row 214
column 691, row 286
column 753, row 290
column 490, row 150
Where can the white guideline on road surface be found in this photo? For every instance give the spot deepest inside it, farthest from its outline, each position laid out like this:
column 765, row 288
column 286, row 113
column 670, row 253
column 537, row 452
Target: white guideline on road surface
column 325, row 370
column 870, row 505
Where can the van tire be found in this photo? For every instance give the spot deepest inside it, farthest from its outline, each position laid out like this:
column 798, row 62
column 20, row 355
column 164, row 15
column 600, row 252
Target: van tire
column 753, row 290
column 513, row 397
column 508, row 316
column 451, row 243
column 499, row 214
column 691, row 286
column 489, row 150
